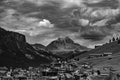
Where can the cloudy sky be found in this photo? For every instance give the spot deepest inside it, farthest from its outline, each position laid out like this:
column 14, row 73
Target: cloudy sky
column 88, row 22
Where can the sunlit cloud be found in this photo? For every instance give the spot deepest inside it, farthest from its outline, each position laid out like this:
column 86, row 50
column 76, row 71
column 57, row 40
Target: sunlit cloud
column 45, row 23
column 84, row 22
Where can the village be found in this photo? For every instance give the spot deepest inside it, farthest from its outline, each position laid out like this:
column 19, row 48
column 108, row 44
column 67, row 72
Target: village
column 60, row 70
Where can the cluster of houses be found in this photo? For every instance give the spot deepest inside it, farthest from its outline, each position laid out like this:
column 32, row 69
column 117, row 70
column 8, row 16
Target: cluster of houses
column 19, row 73
column 57, row 70
column 61, row 70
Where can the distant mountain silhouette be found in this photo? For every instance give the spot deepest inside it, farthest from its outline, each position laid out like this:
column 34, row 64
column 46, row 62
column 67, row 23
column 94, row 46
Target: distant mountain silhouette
column 64, row 45
column 15, row 51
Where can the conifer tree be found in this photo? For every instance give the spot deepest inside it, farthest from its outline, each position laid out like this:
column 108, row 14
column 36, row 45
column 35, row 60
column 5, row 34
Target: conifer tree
column 117, row 39
column 113, row 39
column 110, row 41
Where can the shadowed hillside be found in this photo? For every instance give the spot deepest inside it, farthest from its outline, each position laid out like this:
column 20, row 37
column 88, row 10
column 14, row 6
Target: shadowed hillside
column 15, row 51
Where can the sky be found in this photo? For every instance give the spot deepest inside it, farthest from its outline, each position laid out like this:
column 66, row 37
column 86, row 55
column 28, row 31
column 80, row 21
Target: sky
column 87, row 22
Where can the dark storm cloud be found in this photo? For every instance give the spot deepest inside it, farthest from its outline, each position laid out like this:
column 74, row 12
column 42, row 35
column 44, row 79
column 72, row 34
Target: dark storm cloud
column 93, row 36
column 47, row 12
column 50, row 11
column 1, row 2
column 23, row 8
column 105, row 3
column 99, row 16
column 115, row 20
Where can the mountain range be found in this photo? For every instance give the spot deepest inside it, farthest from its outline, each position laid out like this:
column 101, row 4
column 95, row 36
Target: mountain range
column 64, row 46
column 16, row 52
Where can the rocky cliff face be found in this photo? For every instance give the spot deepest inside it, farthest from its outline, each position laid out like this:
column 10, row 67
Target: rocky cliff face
column 17, row 36
column 15, row 51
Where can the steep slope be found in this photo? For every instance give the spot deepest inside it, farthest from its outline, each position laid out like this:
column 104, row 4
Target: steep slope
column 41, row 48
column 64, row 45
column 38, row 46
column 113, row 47
column 15, row 51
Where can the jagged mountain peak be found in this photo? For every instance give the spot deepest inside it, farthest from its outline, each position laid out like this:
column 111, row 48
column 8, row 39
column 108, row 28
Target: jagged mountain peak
column 65, row 44
column 65, row 39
